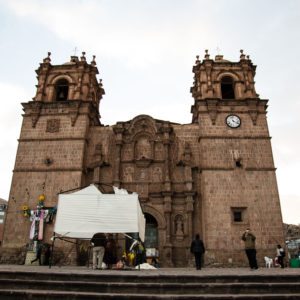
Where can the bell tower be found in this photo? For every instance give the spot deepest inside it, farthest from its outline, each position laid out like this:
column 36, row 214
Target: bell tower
column 53, row 141
column 70, row 85
column 237, row 174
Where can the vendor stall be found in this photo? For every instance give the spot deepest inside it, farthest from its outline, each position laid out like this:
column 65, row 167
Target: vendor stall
column 83, row 213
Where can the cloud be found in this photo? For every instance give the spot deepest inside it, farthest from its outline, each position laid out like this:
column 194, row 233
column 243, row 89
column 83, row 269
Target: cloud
column 134, row 34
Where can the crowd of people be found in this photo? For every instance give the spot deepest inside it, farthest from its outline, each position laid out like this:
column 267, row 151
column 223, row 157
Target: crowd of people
column 104, row 250
column 249, row 238
column 197, row 249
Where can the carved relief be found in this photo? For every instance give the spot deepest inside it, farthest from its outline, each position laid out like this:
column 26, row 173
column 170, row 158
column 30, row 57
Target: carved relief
column 159, row 151
column 127, row 153
column 142, row 123
column 179, row 227
column 143, row 148
column 157, row 175
column 98, row 150
column 53, row 125
column 128, row 174
column 142, row 189
column 142, row 175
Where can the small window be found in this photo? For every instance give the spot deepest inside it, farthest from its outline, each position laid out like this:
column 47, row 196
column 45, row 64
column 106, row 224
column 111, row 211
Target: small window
column 238, row 214
column 227, row 88
column 62, row 90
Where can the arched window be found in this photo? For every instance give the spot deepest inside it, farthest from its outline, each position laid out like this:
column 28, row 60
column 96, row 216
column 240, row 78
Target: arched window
column 62, row 90
column 227, row 88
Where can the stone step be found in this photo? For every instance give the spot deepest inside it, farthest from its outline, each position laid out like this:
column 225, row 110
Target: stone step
column 152, row 288
column 168, row 284
column 150, row 278
column 49, row 295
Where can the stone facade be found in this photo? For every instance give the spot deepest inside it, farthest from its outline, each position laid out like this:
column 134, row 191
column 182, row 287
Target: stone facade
column 214, row 176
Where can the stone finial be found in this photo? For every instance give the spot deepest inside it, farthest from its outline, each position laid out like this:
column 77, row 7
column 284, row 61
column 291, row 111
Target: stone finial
column 82, row 58
column 47, row 60
column 197, row 62
column 93, row 62
column 206, row 56
column 248, row 57
column 74, row 59
column 242, row 56
column 218, row 57
column 100, row 83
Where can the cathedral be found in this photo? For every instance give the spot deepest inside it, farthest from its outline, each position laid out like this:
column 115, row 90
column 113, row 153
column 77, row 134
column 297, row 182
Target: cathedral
column 214, row 176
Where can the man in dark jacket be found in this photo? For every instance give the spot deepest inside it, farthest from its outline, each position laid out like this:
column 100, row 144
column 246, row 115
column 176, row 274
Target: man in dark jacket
column 197, row 248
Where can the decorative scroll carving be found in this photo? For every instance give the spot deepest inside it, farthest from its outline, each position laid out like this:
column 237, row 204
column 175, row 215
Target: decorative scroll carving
column 142, row 123
column 35, row 112
column 212, row 110
column 53, row 125
column 253, row 109
column 74, row 111
column 253, row 115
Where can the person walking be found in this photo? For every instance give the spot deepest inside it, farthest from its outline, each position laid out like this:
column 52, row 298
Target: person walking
column 249, row 238
column 98, row 242
column 110, row 256
column 38, row 257
column 198, row 249
column 280, row 255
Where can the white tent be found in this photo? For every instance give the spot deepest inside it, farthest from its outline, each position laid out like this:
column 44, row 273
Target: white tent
column 83, row 213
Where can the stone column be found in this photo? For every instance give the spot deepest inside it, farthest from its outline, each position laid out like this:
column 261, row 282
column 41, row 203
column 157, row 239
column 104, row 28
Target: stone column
column 167, row 197
column 167, row 214
column 118, row 129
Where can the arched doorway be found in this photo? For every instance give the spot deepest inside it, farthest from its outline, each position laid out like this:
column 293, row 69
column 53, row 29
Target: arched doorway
column 151, row 236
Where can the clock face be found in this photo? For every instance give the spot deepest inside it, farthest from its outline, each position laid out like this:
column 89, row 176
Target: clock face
column 233, row 121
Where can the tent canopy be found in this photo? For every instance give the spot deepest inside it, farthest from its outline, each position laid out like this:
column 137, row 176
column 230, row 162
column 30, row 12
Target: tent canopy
column 83, row 213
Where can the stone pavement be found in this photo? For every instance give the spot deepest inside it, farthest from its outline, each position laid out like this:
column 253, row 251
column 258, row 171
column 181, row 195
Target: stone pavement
column 160, row 271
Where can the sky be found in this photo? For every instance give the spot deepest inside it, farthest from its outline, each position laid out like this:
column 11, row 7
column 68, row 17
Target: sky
column 145, row 50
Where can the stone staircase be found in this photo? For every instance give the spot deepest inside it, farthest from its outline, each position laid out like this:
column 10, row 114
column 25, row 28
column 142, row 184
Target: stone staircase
column 145, row 285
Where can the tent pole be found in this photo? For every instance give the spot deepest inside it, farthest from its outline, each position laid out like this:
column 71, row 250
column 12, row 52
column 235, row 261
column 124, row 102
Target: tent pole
column 51, row 254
